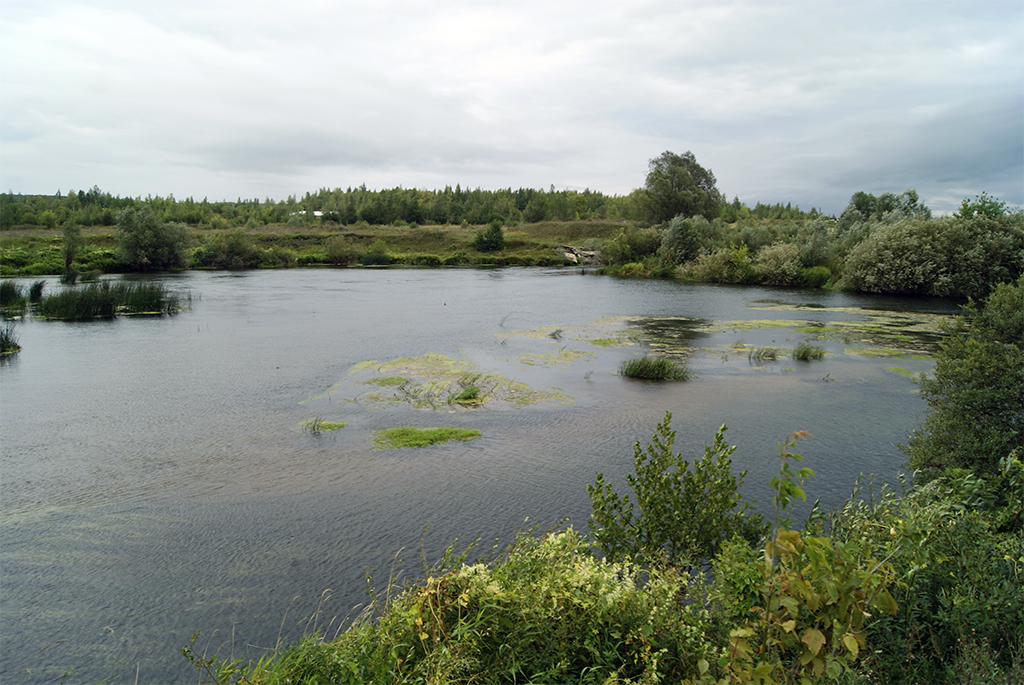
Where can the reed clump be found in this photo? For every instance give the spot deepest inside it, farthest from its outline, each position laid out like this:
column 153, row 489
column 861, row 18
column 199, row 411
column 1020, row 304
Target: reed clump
column 761, row 354
column 654, row 369
column 8, row 340
column 806, row 352
column 105, row 300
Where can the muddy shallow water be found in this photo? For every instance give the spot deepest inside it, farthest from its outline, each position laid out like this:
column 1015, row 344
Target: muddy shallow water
column 155, row 478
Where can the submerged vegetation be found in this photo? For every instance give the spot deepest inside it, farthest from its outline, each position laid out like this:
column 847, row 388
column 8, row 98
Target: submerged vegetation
column 395, row 438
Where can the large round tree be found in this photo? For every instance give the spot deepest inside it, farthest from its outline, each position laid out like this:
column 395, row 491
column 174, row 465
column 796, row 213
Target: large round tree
column 677, row 185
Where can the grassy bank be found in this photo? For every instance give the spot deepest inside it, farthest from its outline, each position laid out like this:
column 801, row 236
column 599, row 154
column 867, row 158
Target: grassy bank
column 35, row 250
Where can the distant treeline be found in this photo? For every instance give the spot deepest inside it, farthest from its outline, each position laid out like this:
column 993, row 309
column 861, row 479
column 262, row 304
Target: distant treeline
column 402, row 206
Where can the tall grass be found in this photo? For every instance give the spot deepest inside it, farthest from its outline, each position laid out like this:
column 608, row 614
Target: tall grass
column 8, row 339
column 10, row 293
column 654, row 368
column 35, row 293
column 805, row 352
column 105, row 300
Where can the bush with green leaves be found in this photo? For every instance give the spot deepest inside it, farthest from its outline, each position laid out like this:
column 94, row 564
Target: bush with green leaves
column 681, row 516
column 631, row 245
column 976, row 393
column 964, row 255
column 685, row 239
column 490, row 239
column 778, row 264
column 145, row 244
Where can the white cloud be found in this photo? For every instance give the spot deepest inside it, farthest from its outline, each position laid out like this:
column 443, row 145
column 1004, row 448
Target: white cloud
column 786, row 101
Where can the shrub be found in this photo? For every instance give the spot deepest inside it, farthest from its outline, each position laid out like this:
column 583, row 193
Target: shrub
column 490, row 239
column 685, row 239
column 631, row 245
column 813, row 277
column 232, row 251
column 341, row 252
column 681, row 516
column 975, row 397
column 654, row 368
column 144, row 243
column 778, row 264
column 963, row 255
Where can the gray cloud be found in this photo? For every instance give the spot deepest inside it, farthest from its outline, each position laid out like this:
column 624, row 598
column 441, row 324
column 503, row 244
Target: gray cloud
column 786, row 101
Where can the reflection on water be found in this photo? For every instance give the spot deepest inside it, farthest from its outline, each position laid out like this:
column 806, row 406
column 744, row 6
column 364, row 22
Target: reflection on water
column 156, row 479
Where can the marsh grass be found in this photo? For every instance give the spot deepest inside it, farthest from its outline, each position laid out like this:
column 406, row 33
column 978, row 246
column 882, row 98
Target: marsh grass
column 760, row 354
column 395, row 438
column 654, row 368
column 35, row 292
column 317, row 425
column 10, row 293
column 105, row 300
column 806, row 352
column 8, row 339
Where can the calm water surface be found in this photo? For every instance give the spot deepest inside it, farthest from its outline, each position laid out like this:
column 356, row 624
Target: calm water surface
column 155, row 479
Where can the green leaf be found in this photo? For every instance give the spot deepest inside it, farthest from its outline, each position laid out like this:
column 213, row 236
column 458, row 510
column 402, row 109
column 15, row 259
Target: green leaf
column 814, row 639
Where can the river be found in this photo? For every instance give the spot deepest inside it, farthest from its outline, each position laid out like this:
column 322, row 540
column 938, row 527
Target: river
column 155, row 477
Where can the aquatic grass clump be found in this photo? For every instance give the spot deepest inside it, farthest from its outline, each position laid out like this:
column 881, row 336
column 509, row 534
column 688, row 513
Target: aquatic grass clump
column 805, row 352
column 654, row 369
column 10, row 293
column 35, row 293
column 317, row 425
column 105, row 300
column 395, row 438
column 760, row 354
column 8, row 340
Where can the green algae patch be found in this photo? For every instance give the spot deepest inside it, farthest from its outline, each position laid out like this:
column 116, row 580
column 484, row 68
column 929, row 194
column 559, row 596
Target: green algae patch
column 385, row 381
column 607, row 331
column 876, row 352
column 560, row 357
column 396, row 438
column 435, row 381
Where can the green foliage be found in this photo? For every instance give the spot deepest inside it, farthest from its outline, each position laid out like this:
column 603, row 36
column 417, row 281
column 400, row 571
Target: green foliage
column 233, row 250
column 814, row 598
column 340, row 252
column 977, row 391
column 420, row 437
column 685, row 239
column 144, row 243
column 72, row 243
column 10, row 293
column 958, row 256
column 724, row 265
column 631, row 245
column 759, row 354
column 35, row 292
column 677, row 185
column 317, row 425
column 547, row 611
column 806, row 351
column 8, row 339
column 681, row 516
column 491, row 239
column 956, row 546
column 654, row 368
column 778, row 264
column 105, row 300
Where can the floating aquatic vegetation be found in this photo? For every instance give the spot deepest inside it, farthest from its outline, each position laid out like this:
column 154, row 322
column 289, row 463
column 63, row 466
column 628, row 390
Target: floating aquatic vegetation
column 395, row 438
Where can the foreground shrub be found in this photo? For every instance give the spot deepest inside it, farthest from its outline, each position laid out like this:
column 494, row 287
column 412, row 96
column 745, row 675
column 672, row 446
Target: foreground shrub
column 340, row 252
column 681, row 516
column 778, row 264
column 549, row 612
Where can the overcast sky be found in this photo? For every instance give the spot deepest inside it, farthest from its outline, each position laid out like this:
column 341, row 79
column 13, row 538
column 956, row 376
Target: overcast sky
column 802, row 102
